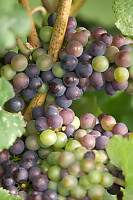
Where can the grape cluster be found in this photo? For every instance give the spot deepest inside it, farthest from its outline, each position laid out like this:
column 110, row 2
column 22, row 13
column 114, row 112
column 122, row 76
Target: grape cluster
column 62, row 157
column 88, row 61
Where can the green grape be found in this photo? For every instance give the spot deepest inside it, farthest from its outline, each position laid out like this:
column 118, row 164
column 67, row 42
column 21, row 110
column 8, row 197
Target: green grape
column 100, row 167
column 44, row 166
column 43, row 153
column 103, row 157
column 30, row 127
column 52, row 185
column 61, row 140
column 121, row 74
column 53, row 158
column 94, row 176
column 79, row 134
column 79, row 153
column 76, row 122
column 38, row 52
column 57, row 70
column 46, row 33
column 44, row 89
column 49, row 99
column 87, row 165
column 19, row 63
column 31, row 143
column 100, row 63
column 111, row 52
column 96, row 192
column 107, row 180
column 75, row 169
column 54, row 173
column 48, row 137
column 78, row 192
column 41, row 144
column 72, row 145
column 44, row 62
column 60, row 197
column 62, row 191
column 3, row 52
column 84, row 182
column 66, row 159
column 7, row 72
column 46, row 46
column 69, row 182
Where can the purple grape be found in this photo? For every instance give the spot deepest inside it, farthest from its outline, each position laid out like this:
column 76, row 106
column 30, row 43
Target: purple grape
column 11, row 168
column 97, row 48
column 30, row 154
column 74, row 93
column 87, row 121
column 69, row 130
column 72, row 23
column 38, row 112
column 84, row 69
column 36, row 195
column 20, row 175
column 17, row 147
column 16, row 104
column 51, row 19
column 12, row 190
column 40, row 183
column 28, row 163
column 120, row 86
column 35, row 83
column 90, row 155
column 56, row 87
column 21, row 81
column 47, row 76
column 64, row 172
column 41, row 124
column 50, row 195
column 120, row 129
column 95, row 133
column 96, row 33
column 9, row 56
column 102, row 142
column 67, row 115
column 2, row 172
column 97, row 79
column 32, row 70
column 51, row 111
column 86, row 56
column 98, row 127
column 68, row 35
column 63, row 101
column 7, row 180
column 108, row 134
column 126, row 47
column 70, row 79
column 55, row 121
column 107, row 39
column 74, row 48
column 69, row 62
column 28, row 93
column 33, row 172
column 109, row 89
column 4, row 156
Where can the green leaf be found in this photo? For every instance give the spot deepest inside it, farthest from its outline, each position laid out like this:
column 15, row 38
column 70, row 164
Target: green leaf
column 6, row 91
column 4, row 195
column 120, row 151
column 11, row 127
column 124, row 15
column 14, row 22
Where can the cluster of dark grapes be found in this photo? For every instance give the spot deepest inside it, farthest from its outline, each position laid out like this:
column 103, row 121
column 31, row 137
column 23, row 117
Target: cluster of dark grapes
column 62, row 157
column 87, row 62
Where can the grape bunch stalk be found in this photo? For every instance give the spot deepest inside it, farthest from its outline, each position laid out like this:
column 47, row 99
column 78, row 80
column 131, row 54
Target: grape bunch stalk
column 61, row 156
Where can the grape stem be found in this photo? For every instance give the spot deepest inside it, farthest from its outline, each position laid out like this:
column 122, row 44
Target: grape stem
column 39, row 8
column 76, row 6
column 23, row 48
column 119, row 181
column 54, row 47
column 33, row 37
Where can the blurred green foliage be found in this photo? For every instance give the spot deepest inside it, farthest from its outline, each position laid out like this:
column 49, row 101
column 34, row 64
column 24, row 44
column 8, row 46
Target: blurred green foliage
column 98, row 13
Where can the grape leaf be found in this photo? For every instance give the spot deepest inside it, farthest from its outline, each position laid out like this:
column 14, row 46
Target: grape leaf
column 120, row 151
column 124, row 14
column 14, row 22
column 6, row 91
column 11, row 127
column 4, row 195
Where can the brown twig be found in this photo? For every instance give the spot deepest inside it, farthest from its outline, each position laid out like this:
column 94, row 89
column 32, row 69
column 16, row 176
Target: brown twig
column 119, row 181
column 59, row 28
column 32, row 38
column 54, row 47
column 76, row 6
